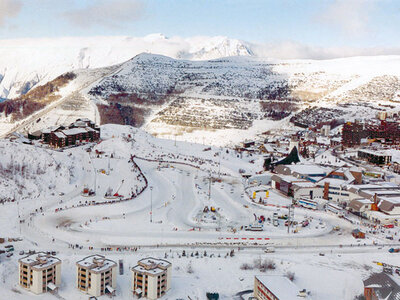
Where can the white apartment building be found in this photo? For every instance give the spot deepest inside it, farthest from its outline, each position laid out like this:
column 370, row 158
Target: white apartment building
column 151, row 278
column 39, row 272
column 96, row 275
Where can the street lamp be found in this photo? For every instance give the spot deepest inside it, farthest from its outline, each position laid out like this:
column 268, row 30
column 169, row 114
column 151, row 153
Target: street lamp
column 151, row 204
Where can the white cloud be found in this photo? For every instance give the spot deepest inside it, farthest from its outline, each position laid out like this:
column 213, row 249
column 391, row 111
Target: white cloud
column 350, row 16
column 9, row 9
column 106, row 13
column 295, row 50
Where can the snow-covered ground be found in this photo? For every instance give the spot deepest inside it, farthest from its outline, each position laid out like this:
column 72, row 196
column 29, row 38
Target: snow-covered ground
column 176, row 178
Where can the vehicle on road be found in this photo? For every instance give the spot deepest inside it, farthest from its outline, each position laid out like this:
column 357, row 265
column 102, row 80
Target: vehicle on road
column 269, row 250
column 394, row 250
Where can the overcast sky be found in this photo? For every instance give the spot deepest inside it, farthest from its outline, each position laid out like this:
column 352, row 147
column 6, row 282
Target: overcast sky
column 366, row 26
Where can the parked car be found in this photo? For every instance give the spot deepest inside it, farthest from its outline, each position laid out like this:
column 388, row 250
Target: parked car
column 394, row 250
column 269, row 250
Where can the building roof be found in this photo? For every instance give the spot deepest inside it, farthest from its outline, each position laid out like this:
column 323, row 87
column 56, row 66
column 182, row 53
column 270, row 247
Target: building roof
column 36, row 133
column 74, row 131
column 286, row 178
column 384, row 286
column 280, row 286
column 60, row 135
column 96, row 263
column 39, row 260
column 151, row 266
column 336, row 182
column 357, row 204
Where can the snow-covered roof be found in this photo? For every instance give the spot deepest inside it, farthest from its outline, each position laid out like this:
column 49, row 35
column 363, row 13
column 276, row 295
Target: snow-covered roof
column 152, row 266
column 74, row 131
column 60, row 135
column 287, row 178
column 304, row 184
column 39, row 260
column 96, row 263
column 333, row 182
column 280, row 286
column 51, row 286
column 307, row 169
column 323, row 140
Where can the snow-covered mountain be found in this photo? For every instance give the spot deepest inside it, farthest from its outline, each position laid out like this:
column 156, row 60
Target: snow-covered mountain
column 179, row 96
column 25, row 63
column 218, row 98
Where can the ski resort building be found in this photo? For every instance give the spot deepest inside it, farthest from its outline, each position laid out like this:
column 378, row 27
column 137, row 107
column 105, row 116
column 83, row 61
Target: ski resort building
column 151, row 278
column 275, row 287
column 375, row 157
column 96, row 275
column 39, row 272
column 82, row 130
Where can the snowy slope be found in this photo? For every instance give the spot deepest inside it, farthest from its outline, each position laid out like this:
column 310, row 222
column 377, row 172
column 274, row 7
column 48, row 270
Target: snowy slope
column 181, row 96
column 49, row 58
column 205, row 99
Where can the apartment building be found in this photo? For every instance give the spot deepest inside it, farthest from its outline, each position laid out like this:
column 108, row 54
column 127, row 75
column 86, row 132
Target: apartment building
column 151, row 278
column 276, row 287
column 96, row 275
column 39, row 272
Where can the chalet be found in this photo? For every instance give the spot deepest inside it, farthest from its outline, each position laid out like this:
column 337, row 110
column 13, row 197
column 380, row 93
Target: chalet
column 381, row 286
column 358, row 234
column 36, row 135
column 82, row 130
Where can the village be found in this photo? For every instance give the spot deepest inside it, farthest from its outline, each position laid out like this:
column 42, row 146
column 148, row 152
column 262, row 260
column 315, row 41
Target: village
column 133, row 198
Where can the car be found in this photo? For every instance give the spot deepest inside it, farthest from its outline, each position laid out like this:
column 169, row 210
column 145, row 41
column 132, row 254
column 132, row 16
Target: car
column 61, row 194
column 9, row 254
column 321, row 254
column 269, row 250
column 21, row 252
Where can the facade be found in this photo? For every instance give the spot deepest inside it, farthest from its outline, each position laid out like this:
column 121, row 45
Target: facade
column 306, row 190
column 96, row 275
column 275, row 287
column 375, row 157
column 39, row 272
column 352, row 134
column 151, row 278
column 325, row 130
